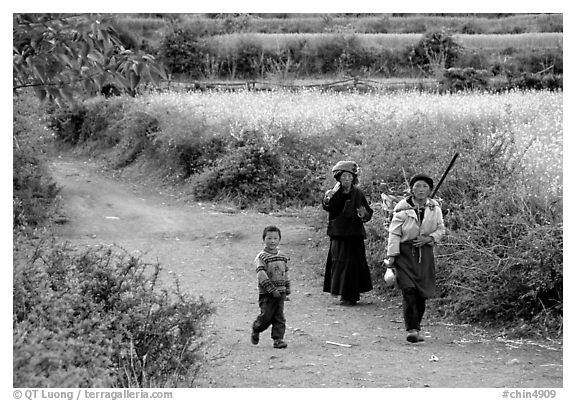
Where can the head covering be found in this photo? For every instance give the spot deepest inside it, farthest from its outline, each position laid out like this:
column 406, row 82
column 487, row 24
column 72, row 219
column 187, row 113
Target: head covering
column 422, row 177
column 345, row 165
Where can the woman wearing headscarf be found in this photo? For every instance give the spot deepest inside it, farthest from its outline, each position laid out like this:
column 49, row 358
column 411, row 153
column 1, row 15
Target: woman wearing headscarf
column 416, row 226
column 347, row 273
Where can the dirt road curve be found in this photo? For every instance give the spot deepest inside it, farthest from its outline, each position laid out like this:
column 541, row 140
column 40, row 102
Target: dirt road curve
column 211, row 251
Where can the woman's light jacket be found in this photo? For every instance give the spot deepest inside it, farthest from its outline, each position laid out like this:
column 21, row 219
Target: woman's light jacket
column 405, row 227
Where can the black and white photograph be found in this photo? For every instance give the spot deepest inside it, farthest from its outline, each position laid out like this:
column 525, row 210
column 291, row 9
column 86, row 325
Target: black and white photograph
column 324, row 200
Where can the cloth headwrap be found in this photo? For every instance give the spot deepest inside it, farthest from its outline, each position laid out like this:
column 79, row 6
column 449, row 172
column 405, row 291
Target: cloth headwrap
column 345, row 165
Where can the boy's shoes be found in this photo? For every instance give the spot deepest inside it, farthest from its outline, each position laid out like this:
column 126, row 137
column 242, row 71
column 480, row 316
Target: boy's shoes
column 279, row 343
column 255, row 338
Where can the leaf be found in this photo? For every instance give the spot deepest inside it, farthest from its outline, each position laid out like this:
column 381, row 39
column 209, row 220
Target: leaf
column 139, row 67
column 40, row 93
column 100, row 81
column 67, row 93
column 64, row 59
column 39, row 72
column 104, row 36
column 134, row 80
column 85, row 49
column 122, row 81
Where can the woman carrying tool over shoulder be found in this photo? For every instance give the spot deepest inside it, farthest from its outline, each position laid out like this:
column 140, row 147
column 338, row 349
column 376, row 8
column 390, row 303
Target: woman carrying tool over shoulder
column 417, row 225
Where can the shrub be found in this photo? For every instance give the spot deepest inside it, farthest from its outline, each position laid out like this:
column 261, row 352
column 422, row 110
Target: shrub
column 97, row 318
column 246, row 173
column 457, row 79
column 191, row 157
column 528, row 81
column 435, row 51
column 535, row 61
column 328, row 56
column 256, row 173
column 34, row 192
column 106, row 124
column 138, row 129
column 504, row 269
column 182, row 52
column 472, row 59
column 99, row 121
column 248, row 60
column 67, row 124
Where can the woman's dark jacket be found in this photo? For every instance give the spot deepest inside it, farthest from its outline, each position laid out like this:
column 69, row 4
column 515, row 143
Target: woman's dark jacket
column 343, row 220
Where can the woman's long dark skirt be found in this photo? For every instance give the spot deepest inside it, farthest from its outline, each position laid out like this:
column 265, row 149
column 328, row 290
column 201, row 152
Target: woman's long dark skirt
column 347, row 273
column 415, row 268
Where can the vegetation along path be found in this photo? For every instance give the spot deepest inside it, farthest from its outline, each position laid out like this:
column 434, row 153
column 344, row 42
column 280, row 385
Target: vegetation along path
column 211, row 250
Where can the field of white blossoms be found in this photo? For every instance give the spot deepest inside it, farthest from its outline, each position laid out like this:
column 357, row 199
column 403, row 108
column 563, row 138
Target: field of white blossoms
column 525, row 126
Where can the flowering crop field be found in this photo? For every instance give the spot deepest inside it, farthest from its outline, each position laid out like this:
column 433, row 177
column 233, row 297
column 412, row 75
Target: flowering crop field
column 525, row 125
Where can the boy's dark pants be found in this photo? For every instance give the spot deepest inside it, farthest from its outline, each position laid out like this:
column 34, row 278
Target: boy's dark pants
column 271, row 313
column 414, row 306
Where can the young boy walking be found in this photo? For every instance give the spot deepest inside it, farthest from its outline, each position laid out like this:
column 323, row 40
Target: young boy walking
column 273, row 287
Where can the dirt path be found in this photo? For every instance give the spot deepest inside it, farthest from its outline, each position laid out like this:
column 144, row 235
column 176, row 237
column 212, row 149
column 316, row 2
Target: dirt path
column 211, row 251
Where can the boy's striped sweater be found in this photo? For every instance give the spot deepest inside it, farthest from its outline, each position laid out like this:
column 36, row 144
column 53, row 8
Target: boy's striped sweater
column 272, row 272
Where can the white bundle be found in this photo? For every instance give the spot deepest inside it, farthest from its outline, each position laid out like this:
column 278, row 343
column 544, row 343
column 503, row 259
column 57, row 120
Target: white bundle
column 389, row 277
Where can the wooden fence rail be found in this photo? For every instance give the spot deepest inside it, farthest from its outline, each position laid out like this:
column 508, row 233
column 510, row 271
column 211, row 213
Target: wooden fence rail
column 354, row 84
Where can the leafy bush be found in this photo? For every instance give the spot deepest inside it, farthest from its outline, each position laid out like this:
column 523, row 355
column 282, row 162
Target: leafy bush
column 435, row 51
column 97, row 318
column 548, row 60
column 257, row 173
column 247, row 60
column 106, row 124
column 99, row 121
column 187, row 158
column 137, row 130
column 67, row 124
column 501, row 262
column 182, row 52
column 34, row 192
column 457, row 79
column 527, row 81
column 504, row 269
column 245, row 174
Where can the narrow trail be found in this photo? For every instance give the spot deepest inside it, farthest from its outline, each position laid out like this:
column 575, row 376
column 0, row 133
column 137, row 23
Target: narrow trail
column 211, row 251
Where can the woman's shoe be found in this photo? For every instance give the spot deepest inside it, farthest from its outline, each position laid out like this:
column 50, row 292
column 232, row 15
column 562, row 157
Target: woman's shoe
column 347, row 302
column 413, row 336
